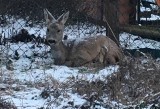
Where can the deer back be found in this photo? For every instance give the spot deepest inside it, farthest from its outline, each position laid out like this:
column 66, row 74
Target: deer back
column 100, row 49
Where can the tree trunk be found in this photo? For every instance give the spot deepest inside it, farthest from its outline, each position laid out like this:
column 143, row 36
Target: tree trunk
column 111, row 16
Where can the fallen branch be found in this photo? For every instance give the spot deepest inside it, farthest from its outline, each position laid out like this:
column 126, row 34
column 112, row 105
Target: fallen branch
column 142, row 31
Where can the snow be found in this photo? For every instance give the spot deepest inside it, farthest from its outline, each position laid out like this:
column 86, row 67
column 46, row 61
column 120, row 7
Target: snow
column 129, row 41
column 14, row 25
column 26, row 99
column 153, row 7
column 153, row 17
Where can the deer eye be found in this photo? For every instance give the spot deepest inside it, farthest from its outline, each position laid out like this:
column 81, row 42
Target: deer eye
column 47, row 30
column 58, row 31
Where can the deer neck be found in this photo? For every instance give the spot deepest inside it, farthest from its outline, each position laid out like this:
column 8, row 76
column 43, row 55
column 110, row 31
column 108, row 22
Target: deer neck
column 63, row 48
column 60, row 53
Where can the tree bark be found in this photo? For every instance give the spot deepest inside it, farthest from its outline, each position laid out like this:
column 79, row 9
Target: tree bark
column 111, row 16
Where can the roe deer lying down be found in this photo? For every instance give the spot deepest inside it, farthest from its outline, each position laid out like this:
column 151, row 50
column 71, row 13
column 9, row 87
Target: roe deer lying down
column 98, row 49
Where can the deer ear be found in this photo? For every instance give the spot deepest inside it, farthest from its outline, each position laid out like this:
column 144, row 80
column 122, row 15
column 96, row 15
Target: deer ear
column 48, row 16
column 63, row 18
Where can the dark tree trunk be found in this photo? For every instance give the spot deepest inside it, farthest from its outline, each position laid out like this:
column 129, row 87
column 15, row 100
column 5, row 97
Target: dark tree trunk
column 111, row 16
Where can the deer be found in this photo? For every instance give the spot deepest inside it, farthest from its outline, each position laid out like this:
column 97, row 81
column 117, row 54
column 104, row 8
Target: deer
column 95, row 49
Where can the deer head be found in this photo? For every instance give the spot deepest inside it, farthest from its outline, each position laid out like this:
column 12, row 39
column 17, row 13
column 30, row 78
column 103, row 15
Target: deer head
column 55, row 27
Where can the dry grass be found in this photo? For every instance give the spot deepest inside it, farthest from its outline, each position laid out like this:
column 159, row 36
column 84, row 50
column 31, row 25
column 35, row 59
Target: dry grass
column 137, row 80
column 6, row 105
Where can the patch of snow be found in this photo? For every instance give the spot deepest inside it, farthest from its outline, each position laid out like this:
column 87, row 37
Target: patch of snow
column 153, row 17
column 129, row 41
column 27, row 99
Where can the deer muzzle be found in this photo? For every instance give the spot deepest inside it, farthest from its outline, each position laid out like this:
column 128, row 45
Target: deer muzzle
column 51, row 41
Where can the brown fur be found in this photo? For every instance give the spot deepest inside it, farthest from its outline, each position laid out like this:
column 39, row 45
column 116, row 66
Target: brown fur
column 98, row 49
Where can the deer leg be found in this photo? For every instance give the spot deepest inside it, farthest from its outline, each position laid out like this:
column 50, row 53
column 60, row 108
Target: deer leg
column 109, row 60
column 79, row 62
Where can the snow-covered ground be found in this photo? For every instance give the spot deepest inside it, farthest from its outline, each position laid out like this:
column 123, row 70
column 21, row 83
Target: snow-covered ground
column 129, row 41
column 152, row 7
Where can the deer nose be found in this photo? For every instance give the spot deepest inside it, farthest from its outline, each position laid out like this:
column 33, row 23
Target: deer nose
column 51, row 41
